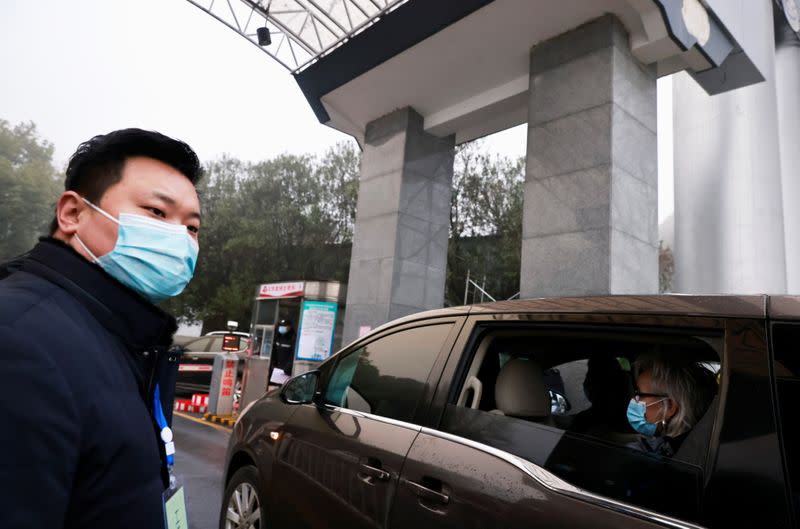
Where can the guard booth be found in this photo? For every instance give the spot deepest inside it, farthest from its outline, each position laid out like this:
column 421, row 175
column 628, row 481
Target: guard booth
column 315, row 310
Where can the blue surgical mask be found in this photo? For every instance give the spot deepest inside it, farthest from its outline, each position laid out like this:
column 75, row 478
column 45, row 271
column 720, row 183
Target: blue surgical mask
column 636, row 417
column 282, row 330
column 152, row 257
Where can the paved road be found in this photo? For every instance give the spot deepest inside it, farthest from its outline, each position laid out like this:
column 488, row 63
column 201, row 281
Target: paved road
column 199, row 460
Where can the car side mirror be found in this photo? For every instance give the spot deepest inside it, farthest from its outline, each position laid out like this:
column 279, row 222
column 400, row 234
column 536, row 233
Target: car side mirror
column 300, row 389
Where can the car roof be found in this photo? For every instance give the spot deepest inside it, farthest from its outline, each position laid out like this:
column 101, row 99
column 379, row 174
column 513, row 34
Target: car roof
column 722, row 306
column 784, row 307
column 670, row 304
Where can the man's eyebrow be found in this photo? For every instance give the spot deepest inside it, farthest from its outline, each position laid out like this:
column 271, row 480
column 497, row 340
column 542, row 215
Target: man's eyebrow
column 171, row 201
column 166, row 198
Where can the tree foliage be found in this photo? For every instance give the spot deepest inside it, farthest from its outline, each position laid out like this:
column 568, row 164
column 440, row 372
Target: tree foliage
column 28, row 187
column 666, row 268
column 290, row 217
column 485, row 223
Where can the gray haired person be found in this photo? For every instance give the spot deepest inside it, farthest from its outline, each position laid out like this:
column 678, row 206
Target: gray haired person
column 670, row 397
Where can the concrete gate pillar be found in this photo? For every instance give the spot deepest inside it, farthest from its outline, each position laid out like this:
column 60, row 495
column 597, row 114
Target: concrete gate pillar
column 787, row 84
column 590, row 221
column 399, row 257
column 729, row 226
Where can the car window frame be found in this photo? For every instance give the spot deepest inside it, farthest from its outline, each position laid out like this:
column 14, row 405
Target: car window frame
column 549, row 481
column 794, row 512
column 205, row 349
column 218, row 340
column 458, row 363
column 422, row 412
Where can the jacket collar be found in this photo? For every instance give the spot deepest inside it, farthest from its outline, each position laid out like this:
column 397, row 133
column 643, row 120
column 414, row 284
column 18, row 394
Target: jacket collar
column 140, row 324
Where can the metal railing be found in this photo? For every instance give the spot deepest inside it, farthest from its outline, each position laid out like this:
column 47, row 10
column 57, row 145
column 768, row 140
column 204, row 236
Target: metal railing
column 479, row 293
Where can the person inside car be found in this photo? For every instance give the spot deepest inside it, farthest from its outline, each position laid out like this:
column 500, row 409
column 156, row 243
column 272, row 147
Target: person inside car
column 607, row 387
column 669, row 398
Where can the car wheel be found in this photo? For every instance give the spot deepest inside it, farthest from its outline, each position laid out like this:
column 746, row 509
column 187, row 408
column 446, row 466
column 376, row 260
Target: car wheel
column 242, row 506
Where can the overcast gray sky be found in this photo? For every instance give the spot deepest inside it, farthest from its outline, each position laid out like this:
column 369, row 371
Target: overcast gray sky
column 83, row 67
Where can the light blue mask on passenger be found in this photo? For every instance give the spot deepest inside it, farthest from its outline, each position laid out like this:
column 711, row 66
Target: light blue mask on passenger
column 636, row 417
column 154, row 258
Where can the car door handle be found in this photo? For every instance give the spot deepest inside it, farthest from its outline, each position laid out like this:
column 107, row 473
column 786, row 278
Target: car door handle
column 372, row 472
column 427, row 493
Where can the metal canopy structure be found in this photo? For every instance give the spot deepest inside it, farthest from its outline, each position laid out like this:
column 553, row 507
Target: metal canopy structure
column 464, row 65
column 301, row 31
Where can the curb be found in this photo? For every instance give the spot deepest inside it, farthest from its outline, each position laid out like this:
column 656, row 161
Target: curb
column 225, row 421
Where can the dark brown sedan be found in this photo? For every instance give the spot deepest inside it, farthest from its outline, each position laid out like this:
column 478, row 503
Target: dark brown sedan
column 518, row 414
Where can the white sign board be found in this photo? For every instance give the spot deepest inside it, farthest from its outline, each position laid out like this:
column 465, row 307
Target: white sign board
column 317, row 325
column 223, row 384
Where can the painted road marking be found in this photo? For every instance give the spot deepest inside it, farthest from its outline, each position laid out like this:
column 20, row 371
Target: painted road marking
column 201, row 421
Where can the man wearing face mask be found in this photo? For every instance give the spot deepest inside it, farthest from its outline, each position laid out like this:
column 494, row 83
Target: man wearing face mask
column 282, row 353
column 87, row 375
column 669, row 399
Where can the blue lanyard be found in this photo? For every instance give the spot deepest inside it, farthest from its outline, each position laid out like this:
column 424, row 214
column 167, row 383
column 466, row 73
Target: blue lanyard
column 164, row 429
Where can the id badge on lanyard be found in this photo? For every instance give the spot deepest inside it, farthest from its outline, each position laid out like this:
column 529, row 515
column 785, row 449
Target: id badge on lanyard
column 173, row 500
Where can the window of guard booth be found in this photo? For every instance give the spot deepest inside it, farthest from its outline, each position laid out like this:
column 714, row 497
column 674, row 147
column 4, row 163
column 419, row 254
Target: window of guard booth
column 266, row 311
column 289, row 310
column 786, row 366
column 388, row 376
column 562, row 404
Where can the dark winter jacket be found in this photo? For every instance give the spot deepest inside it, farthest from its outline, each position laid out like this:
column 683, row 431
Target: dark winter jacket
column 80, row 355
column 283, row 352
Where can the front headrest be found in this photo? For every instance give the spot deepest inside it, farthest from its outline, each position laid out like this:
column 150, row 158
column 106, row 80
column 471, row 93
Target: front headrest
column 520, row 390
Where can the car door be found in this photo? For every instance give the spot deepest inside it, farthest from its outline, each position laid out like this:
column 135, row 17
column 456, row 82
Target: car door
column 340, row 458
column 474, row 467
column 452, row 482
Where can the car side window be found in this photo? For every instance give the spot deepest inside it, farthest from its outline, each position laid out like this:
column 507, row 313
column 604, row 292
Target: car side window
column 786, row 342
column 198, row 346
column 388, row 376
column 560, row 400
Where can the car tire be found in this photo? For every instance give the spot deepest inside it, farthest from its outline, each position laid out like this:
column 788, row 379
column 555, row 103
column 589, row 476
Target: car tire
column 242, row 503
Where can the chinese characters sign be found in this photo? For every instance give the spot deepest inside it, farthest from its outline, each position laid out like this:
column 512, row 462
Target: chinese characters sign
column 281, row 290
column 228, row 378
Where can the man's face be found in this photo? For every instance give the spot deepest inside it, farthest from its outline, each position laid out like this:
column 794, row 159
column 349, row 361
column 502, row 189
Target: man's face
column 148, row 187
column 654, row 411
column 658, row 407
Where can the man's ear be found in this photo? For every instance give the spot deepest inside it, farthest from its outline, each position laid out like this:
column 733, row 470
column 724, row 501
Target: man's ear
column 672, row 408
column 68, row 211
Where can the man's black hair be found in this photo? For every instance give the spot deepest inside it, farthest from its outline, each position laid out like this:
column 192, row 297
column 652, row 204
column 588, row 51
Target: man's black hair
column 97, row 164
